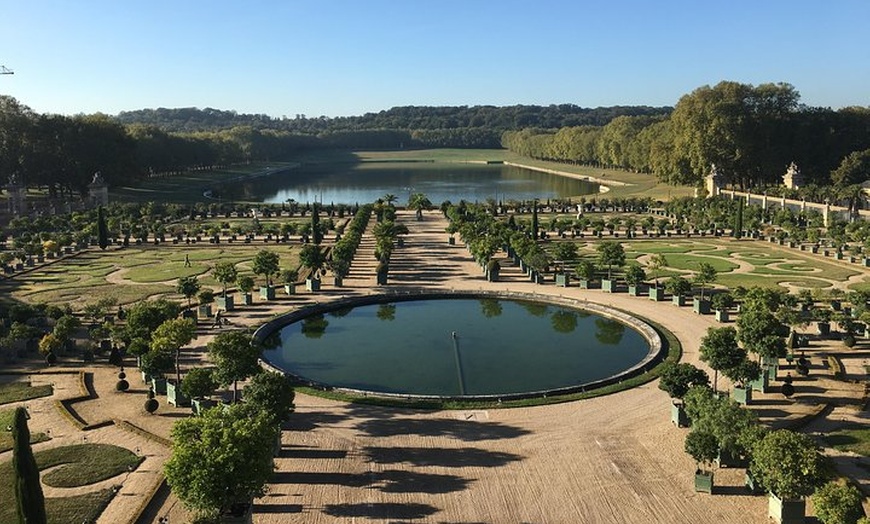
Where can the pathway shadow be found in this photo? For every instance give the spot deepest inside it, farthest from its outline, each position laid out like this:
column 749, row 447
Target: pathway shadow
column 310, row 453
column 465, row 430
column 314, row 419
column 444, row 457
column 381, row 510
column 278, row 508
column 353, row 480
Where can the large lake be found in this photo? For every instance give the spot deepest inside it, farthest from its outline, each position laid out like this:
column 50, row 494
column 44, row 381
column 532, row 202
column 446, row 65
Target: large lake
column 438, row 181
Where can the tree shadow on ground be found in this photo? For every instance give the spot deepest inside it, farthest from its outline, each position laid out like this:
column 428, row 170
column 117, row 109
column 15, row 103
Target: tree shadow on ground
column 313, row 419
column 444, row 457
column 464, row 430
column 398, row 481
column 278, row 508
column 381, row 510
column 298, row 452
column 353, row 480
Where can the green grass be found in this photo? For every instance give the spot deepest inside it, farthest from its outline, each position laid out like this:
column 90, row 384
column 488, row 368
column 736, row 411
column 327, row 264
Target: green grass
column 18, row 391
column 689, row 262
column 855, row 439
column 84, row 464
column 6, row 443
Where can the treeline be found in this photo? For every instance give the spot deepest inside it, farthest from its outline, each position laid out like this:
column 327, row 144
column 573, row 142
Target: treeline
column 751, row 133
column 407, row 118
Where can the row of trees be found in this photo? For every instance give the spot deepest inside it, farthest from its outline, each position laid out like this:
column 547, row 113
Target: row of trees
column 750, row 132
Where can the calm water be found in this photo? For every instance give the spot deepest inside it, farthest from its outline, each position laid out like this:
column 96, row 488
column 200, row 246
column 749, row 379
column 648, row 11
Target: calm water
column 439, row 182
column 501, row 347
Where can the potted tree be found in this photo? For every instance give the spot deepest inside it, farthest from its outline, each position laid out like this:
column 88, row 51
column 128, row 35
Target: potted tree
column 656, row 262
column 635, row 276
column 721, row 303
column 199, row 384
column 789, row 466
column 154, row 364
column 720, row 351
column 585, row 270
column 206, row 298
column 823, row 316
column 706, row 274
column 312, row 259
column 290, row 276
column 340, row 268
column 610, row 254
column 246, row 285
column 704, row 448
column 493, row 268
column 188, row 286
column 171, row 336
column 742, row 375
column 225, row 273
column 382, row 271
column 266, row 263
column 678, row 287
column 676, row 379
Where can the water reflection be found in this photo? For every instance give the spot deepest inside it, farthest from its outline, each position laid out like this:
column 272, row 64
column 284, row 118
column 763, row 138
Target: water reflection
column 490, row 307
column 609, row 331
column 386, row 312
column 314, row 326
column 535, row 308
column 439, row 182
column 564, row 321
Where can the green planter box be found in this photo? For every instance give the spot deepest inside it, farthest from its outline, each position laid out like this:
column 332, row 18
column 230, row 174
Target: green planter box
column 312, row 284
column 337, row 281
column 175, row 396
column 584, row 284
column 704, row 482
column 726, row 459
column 204, row 310
column 657, row 294
column 678, row 415
column 563, row 280
column 761, row 384
column 451, row 241
column 226, row 303
column 247, row 299
column 742, row 395
column 788, row 511
column 823, row 328
column 382, row 279
column 290, row 288
column 245, row 517
column 608, row 286
column 679, row 300
column 201, row 404
column 189, row 313
column 267, row 293
column 701, row 307
column 722, row 315
column 636, row 291
column 751, row 484
column 159, row 385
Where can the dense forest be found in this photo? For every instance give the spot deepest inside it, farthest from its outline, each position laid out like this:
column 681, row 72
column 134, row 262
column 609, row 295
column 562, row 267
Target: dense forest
column 750, row 132
column 407, row 118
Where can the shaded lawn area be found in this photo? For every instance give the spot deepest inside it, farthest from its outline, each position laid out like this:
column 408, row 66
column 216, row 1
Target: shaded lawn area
column 22, row 390
column 855, row 439
column 6, row 416
column 80, row 465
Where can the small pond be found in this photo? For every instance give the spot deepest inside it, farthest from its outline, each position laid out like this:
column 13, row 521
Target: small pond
column 458, row 347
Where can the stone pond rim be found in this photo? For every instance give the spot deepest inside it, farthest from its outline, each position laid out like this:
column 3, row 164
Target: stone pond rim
column 655, row 354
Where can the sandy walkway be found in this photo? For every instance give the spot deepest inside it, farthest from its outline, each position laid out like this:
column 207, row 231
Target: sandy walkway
column 614, row 459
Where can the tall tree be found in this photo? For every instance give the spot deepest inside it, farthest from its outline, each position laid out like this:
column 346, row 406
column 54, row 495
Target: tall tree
column 102, row 228
column 610, row 254
column 720, row 351
column 235, row 355
column 28, row 491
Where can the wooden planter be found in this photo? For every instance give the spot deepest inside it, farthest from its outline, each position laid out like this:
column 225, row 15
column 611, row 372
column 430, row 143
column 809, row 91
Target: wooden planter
column 563, row 280
column 704, row 481
column 227, row 303
column 159, row 385
column 247, row 299
column 636, row 291
column 312, row 284
column 742, row 394
column 657, row 294
column 175, row 396
column 678, row 415
column 726, row 459
column 823, row 328
column 701, row 307
column 204, row 310
column 451, row 241
column 608, row 286
column 761, row 384
column 722, row 315
column 199, row 405
column 788, row 511
column 290, row 288
column 382, row 279
column 751, row 484
column 267, row 292
column 678, row 300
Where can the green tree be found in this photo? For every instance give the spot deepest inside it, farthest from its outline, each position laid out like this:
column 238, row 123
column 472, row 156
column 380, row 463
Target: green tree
column 656, row 263
column 759, row 332
column 188, row 287
column 199, row 383
column 677, row 286
column 788, row 464
column 610, row 254
column 225, row 273
column 146, row 316
column 854, row 169
column 235, row 355
column 635, row 275
column 220, row 459
column 311, row 257
column 838, row 503
column 677, row 378
column 245, row 283
column 102, row 229
column 171, row 336
column 720, row 351
column 419, row 203
column 28, row 491
column 271, row 393
column 706, row 274
column 702, row 446
column 316, row 233
column 266, row 263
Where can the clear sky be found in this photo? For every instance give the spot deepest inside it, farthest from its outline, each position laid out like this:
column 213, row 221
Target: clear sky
column 348, row 57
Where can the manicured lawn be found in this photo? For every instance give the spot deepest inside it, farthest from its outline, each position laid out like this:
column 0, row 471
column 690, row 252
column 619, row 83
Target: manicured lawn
column 690, row 262
column 6, row 416
column 853, row 438
column 18, row 391
column 83, row 464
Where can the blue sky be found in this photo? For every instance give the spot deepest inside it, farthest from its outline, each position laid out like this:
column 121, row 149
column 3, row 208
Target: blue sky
column 348, row 57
